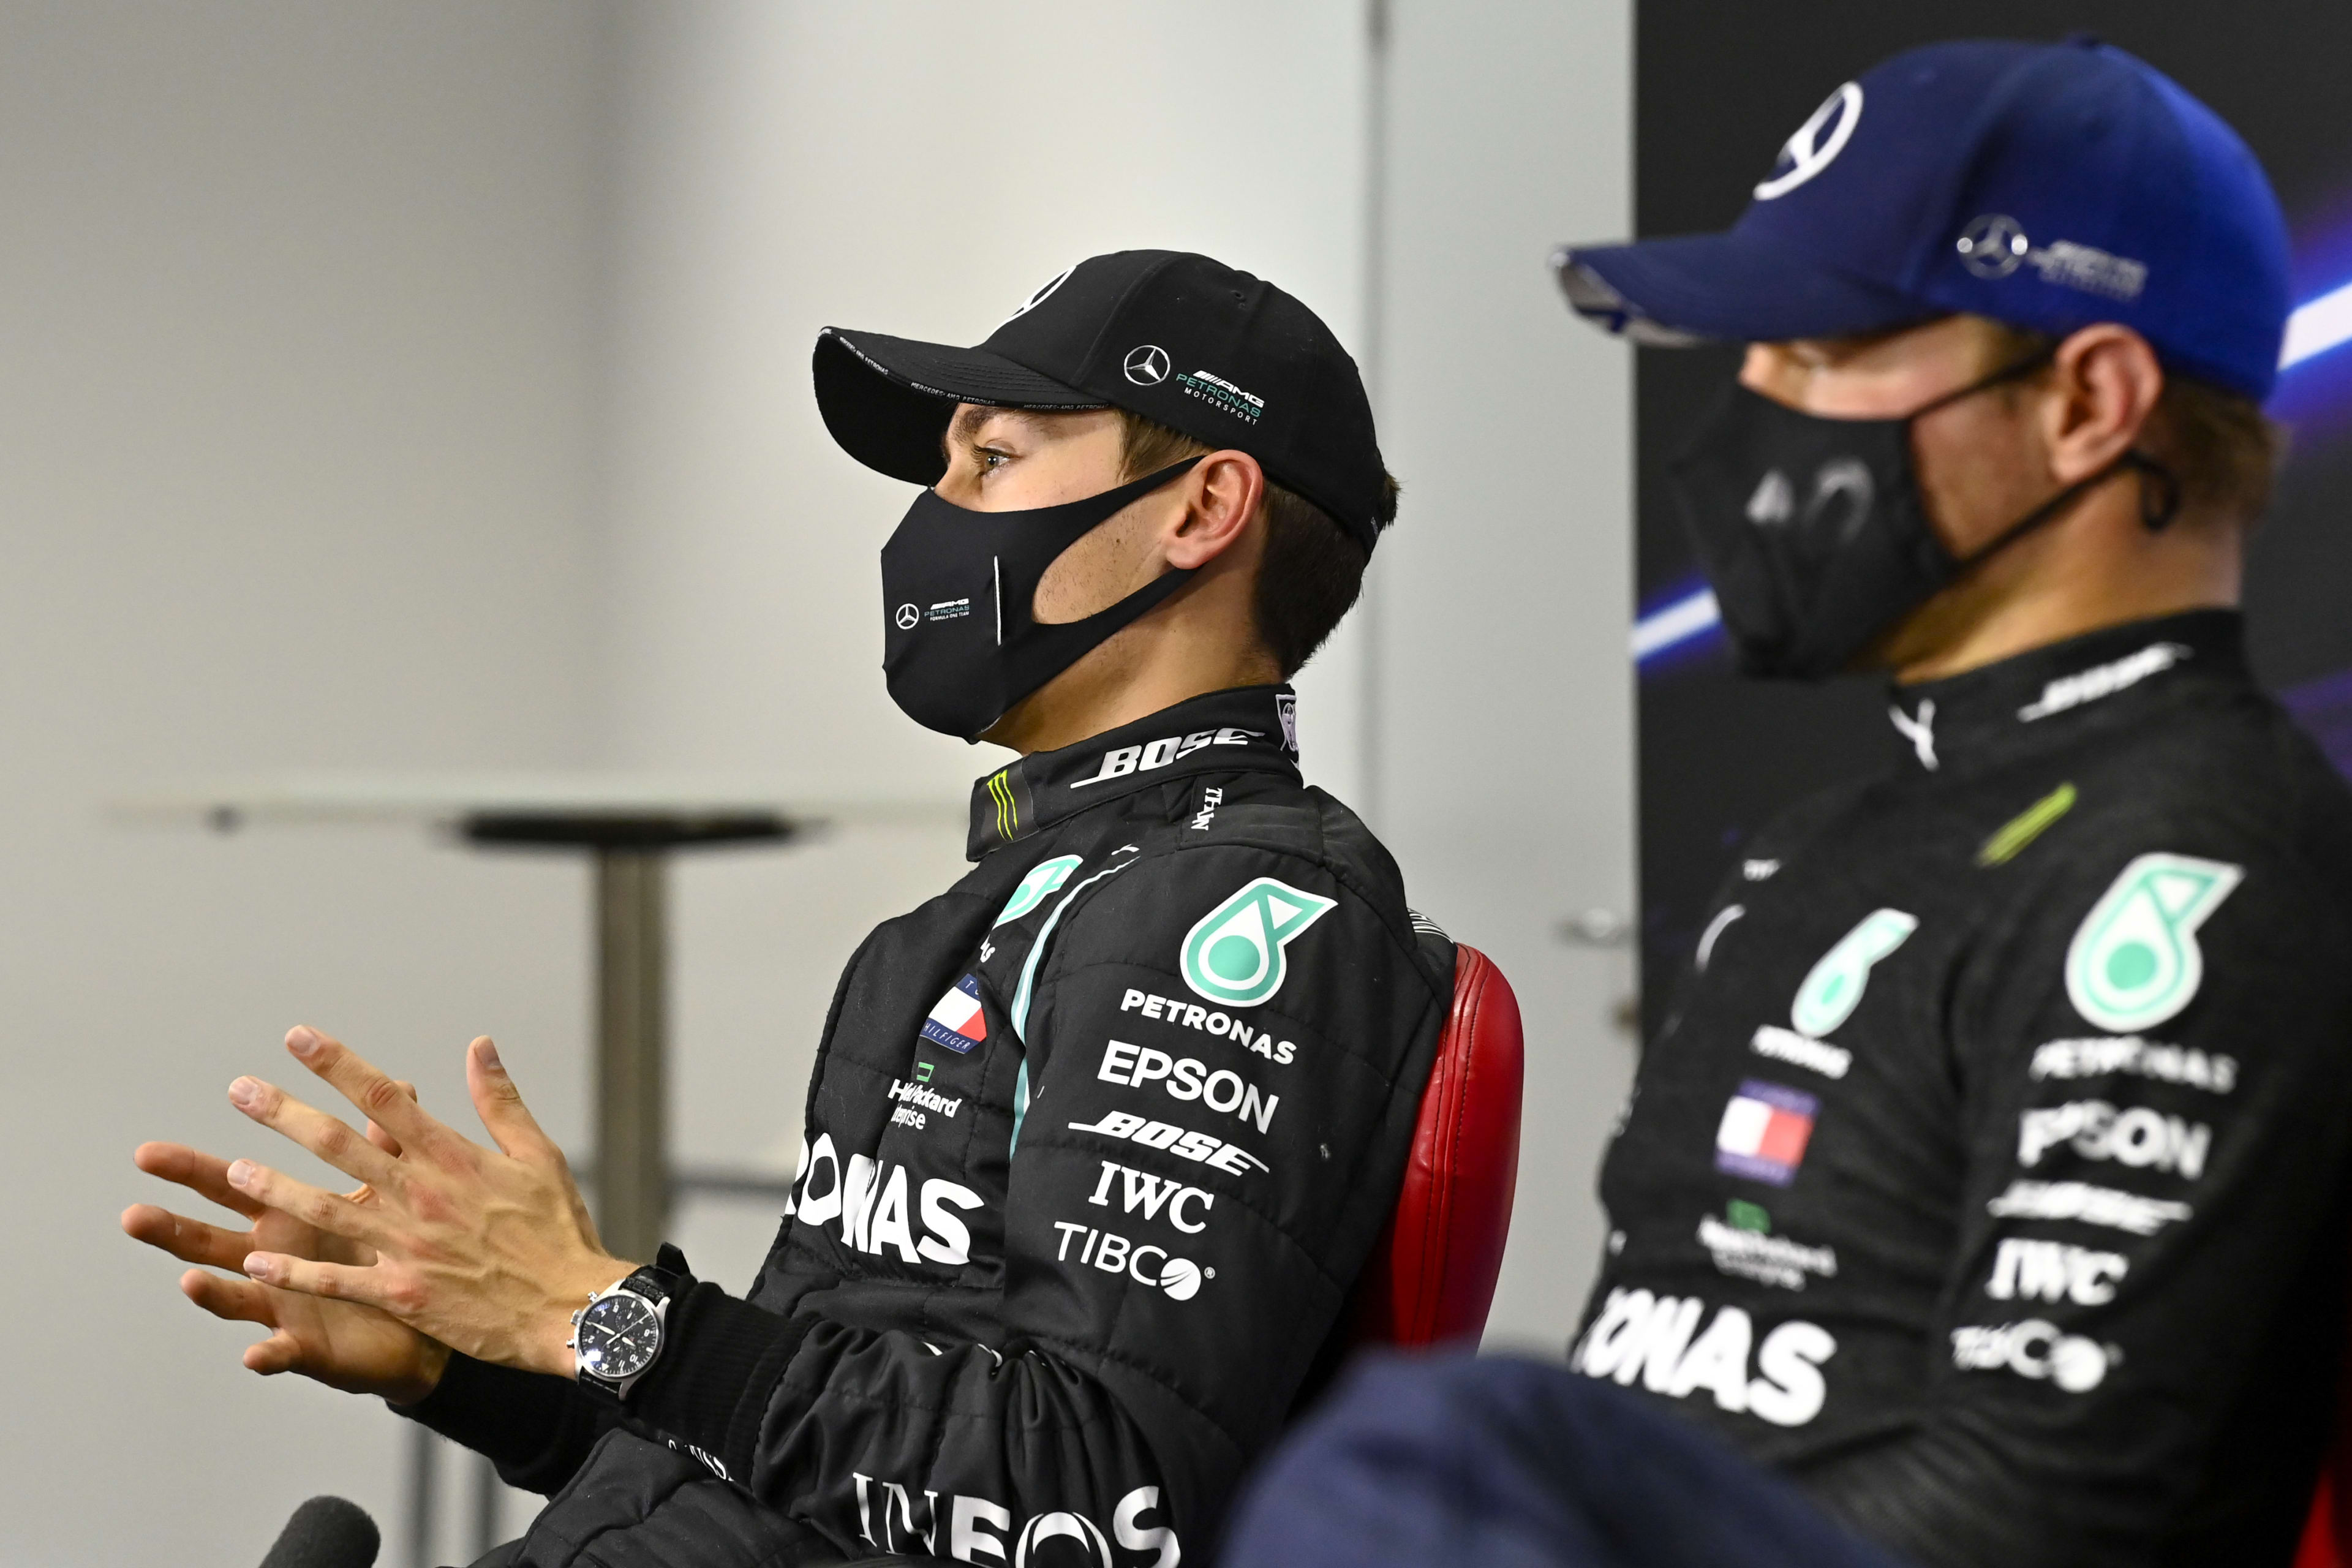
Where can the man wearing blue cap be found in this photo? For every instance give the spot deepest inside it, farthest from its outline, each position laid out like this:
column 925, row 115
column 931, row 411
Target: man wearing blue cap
column 1988, row 1180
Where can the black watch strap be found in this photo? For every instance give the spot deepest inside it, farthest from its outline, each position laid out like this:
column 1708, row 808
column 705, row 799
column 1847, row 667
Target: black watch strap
column 653, row 1282
column 668, row 1269
column 660, row 1282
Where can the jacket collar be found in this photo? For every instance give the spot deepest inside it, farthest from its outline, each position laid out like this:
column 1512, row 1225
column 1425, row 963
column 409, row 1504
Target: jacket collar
column 1246, row 729
column 2101, row 680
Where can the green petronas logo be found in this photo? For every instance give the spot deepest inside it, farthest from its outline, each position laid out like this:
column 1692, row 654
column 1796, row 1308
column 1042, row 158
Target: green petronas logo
column 1833, row 989
column 2135, row 961
column 1045, row 879
column 1233, row 954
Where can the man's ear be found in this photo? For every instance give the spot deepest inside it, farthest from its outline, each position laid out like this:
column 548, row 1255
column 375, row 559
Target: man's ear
column 2105, row 381
column 1222, row 494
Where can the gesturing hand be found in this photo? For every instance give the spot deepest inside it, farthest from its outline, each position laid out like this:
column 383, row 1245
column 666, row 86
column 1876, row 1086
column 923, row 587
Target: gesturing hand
column 487, row 1251
column 341, row 1344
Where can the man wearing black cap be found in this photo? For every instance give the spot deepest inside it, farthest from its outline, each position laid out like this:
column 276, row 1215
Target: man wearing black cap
column 1988, row 1177
column 1098, row 1140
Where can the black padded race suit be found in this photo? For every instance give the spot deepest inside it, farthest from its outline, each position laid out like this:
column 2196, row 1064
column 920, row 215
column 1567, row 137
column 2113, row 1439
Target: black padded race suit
column 1097, row 1141
column 1989, row 1176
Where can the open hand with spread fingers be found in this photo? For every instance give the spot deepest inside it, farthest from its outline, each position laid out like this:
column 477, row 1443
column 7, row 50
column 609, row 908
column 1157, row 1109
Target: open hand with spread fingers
column 343, row 1344
column 486, row 1250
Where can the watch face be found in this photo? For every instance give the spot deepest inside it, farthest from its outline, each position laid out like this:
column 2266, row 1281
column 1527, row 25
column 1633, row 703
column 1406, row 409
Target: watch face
column 618, row 1336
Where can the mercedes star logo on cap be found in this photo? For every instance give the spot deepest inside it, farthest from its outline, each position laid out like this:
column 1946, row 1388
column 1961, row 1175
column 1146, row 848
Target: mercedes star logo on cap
column 1815, row 144
column 1992, row 246
column 1147, row 364
column 1041, row 295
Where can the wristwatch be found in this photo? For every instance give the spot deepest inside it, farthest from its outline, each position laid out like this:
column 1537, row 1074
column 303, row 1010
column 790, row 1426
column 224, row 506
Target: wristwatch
column 617, row 1335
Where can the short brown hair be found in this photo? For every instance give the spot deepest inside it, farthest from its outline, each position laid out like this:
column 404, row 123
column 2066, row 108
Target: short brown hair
column 2217, row 446
column 1312, row 569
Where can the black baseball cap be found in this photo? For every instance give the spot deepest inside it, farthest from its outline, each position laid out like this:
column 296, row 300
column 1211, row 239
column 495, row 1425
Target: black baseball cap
column 1225, row 357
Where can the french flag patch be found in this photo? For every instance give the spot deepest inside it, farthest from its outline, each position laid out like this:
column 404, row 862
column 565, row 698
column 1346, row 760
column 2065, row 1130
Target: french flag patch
column 956, row 1020
column 1764, row 1131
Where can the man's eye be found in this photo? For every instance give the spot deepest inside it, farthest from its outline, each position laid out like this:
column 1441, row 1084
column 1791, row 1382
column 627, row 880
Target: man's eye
column 990, row 457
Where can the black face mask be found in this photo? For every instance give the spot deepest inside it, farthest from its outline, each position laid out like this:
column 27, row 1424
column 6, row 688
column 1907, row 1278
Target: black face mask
column 1813, row 531
column 960, row 645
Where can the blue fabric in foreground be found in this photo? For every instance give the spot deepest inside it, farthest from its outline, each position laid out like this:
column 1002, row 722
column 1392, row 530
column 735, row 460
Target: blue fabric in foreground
column 1509, row 1463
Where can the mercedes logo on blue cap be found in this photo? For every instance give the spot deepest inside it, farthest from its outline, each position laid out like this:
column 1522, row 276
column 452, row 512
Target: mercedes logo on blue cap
column 1992, row 244
column 1145, row 364
column 2048, row 185
column 1815, row 144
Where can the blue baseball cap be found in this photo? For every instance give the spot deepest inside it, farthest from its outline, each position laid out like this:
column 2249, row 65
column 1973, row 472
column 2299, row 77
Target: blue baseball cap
column 2046, row 185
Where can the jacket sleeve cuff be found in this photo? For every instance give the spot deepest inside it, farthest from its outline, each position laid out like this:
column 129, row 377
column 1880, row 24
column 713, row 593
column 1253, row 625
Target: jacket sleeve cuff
column 718, row 1368
column 522, row 1421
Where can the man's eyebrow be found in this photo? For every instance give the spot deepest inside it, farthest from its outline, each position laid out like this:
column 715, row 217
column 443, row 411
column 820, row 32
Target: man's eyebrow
column 971, row 418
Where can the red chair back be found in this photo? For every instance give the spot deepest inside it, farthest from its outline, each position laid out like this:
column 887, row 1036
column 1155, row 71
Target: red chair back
column 1432, row 1275
column 2320, row 1548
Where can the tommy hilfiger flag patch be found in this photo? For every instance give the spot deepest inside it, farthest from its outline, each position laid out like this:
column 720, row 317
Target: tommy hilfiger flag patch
column 956, row 1020
column 1764, row 1131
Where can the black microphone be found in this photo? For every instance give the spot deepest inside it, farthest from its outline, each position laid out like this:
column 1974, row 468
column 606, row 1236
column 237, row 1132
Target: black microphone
column 326, row 1533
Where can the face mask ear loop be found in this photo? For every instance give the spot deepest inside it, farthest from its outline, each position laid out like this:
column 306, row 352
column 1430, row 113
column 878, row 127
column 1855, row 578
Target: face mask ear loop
column 1159, row 476
column 2156, row 514
column 2017, row 372
column 2160, row 491
column 2159, row 500
column 2155, row 517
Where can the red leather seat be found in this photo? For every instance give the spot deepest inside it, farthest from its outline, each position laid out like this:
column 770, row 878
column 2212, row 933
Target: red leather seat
column 1432, row 1275
column 2327, row 1532
column 2321, row 1545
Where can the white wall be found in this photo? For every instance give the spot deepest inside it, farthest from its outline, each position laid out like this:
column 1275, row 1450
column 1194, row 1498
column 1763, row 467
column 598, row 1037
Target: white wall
column 295, row 310
column 1506, row 590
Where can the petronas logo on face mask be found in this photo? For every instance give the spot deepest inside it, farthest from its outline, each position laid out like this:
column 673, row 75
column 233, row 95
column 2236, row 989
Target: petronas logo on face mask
column 2135, row 961
column 1233, row 954
column 1833, row 989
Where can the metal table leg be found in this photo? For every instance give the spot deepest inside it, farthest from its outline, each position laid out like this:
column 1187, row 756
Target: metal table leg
column 486, row 1494
column 631, row 1100
column 421, row 1509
